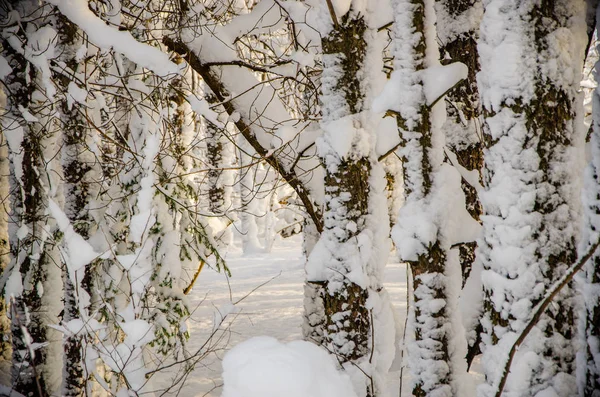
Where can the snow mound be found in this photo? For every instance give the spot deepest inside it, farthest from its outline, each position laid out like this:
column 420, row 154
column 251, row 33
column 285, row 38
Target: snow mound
column 265, row 367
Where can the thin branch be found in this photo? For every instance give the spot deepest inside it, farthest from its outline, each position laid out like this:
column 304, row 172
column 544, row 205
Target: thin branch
column 392, row 150
column 189, row 287
column 292, row 23
column 247, row 65
column 541, row 308
column 383, row 27
column 444, row 94
column 408, row 289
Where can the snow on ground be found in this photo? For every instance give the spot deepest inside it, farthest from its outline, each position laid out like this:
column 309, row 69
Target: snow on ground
column 274, row 309
column 294, row 369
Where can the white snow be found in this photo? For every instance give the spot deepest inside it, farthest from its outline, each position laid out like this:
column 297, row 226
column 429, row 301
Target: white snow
column 75, row 95
column 436, row 80
column 5, row 68
column 265, row 367
column 202, row 108
column 78, row 251
column 274, row 309
column 341, row 7
column 340, row 134
column 106, row 37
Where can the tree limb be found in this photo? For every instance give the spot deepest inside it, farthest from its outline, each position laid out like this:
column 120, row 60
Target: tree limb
column 247, row 65
column 332, row 13
column 222, row 94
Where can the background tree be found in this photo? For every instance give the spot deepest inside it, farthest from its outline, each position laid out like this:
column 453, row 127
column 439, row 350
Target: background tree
column 350, row 255
column 457, row 27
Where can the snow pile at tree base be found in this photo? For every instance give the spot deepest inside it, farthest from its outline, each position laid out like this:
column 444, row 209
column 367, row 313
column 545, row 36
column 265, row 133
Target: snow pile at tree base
column 265, row 367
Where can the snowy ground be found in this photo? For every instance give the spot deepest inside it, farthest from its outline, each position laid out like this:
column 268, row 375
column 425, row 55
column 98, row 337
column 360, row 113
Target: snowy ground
column 274, row 309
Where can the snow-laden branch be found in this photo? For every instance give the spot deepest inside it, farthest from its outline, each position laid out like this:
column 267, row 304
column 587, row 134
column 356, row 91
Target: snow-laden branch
column 106, row 37
column 540, row 309
column 245, row 126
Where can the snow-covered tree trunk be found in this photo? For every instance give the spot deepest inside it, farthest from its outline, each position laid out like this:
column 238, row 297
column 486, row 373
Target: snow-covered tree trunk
column 395, row 186
column 346, row 265
column 434, row 217
column 457, row 26
column 218, row 153
column 588, row 360
column 531, row 55
column 313, row 325
column 220, row 157
column 81, row 174
column 247, row 186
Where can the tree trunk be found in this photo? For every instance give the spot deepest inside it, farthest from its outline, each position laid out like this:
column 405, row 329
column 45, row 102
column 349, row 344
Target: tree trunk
column 5, row 255
column 589, row 322
column 37, row 285
column 344, row 270
column 422, row 235
column 457, row 31
column 531, row 203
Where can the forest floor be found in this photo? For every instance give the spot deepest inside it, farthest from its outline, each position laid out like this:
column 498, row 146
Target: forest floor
column 264, row 296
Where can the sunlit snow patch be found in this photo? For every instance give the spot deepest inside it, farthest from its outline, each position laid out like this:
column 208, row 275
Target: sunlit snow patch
column 265, row 367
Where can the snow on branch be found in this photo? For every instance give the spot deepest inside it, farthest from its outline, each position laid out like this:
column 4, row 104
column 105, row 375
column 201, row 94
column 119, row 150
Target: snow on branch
column 437, row 82
column 106, row 37
column 80, row 252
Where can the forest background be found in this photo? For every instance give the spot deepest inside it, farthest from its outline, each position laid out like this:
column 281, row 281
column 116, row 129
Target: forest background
column 461, row 135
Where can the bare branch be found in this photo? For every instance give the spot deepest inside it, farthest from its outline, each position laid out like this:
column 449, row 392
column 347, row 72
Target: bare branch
column 332, row 13
column 247, row 65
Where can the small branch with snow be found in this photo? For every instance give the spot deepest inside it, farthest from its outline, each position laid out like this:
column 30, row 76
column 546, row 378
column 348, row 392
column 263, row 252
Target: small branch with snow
column 191, row 285
column 247, row 65
column 436, row 100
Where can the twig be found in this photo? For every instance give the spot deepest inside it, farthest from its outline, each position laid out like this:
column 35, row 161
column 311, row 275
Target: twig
column 541, row 308
column 432, row 104
column 392, row 150
column 256, row 288
column 383, row 27
column 408, row 289
column 247, row 65
column 189, row 287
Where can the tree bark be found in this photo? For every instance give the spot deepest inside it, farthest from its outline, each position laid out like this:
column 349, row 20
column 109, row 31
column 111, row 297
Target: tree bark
column 534, row 142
